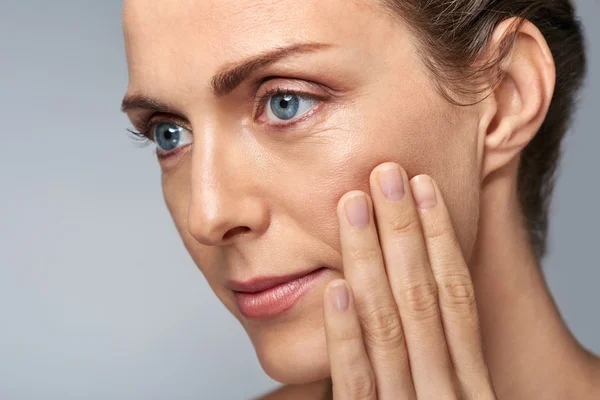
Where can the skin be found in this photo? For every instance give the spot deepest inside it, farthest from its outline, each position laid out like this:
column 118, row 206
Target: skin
column 251, row 197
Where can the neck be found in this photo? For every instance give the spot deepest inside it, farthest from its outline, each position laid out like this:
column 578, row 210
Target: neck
column 529, row 350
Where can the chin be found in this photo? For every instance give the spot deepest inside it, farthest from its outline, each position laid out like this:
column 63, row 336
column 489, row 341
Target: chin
column 295, row 358
column 292, row 348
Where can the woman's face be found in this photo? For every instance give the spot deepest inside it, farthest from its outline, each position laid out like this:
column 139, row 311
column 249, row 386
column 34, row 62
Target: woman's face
column 253, row 185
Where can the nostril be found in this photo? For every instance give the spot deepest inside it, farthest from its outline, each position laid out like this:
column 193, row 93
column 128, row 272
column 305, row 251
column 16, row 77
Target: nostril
column 238, row 230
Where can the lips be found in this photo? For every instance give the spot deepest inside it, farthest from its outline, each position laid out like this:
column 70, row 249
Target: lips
column 263, row 283
column 265, row 297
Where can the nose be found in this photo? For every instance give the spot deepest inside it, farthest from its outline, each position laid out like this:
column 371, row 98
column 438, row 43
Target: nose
column 226, row 201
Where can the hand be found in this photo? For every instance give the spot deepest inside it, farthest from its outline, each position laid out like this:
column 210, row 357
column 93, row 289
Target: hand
column 403, row 323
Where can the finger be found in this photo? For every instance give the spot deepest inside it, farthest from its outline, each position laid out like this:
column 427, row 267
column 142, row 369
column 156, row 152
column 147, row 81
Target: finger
column 412, row 282
column 455, row 287
column 351, row 371
column 376, row 308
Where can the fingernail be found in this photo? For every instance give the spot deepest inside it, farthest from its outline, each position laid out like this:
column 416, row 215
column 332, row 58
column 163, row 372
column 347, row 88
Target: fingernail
column 424, row 192
column 357, row 210
column 338, row 294
column 391, row 185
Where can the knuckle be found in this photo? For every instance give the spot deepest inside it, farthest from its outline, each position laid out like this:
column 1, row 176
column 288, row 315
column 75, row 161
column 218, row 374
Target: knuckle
column 360, row 385
column 365, row 254
column 348, row 338
column 383, row 327
column 457, row 292
column 404, row 224
column 420, row 299
column 437, row 231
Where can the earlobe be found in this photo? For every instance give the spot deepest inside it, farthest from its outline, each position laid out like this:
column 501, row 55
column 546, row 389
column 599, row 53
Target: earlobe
column 517, row 108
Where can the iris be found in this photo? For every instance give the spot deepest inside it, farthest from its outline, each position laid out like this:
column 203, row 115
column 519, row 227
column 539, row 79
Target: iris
column 167, row 136
column 285, row 106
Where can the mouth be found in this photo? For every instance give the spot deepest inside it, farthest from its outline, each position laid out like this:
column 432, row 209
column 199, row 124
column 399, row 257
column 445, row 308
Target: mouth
column 267, row 297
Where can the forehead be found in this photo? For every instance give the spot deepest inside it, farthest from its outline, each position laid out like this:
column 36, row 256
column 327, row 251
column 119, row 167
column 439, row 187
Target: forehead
column 202, row 35
column 226, row 19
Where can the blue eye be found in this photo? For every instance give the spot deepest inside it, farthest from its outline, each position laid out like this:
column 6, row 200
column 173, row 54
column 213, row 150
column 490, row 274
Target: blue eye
column 285, row 106
column 169, row 136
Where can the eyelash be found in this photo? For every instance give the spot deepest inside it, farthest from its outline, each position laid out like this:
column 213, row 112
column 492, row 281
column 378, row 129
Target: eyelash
column 143, row 137
column 140, row 138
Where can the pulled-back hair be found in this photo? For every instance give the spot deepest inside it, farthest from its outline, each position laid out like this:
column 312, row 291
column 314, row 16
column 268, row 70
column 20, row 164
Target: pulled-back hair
column 453, row 36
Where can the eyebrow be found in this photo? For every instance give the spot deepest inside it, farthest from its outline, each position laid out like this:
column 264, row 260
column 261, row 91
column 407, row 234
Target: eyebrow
column 131, row 101
column 229, row 77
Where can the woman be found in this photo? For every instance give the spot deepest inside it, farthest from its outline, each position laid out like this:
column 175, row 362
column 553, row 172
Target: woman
column 365, row 184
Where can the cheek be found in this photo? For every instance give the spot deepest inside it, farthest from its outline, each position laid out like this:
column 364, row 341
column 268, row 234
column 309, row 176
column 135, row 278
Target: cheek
column 176, row 192
column 426, row 135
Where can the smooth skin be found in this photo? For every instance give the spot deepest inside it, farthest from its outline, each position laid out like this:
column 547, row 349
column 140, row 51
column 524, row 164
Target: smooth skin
column 251, row 197
column 410, row 328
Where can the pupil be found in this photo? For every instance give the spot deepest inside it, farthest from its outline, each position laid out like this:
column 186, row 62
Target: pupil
column 283, row 103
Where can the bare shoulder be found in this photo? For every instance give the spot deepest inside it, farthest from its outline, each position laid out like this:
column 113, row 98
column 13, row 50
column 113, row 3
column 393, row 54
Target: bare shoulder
column 319, row 390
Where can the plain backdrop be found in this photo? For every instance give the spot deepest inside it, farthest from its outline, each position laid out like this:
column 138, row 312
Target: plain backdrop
column 98, row 297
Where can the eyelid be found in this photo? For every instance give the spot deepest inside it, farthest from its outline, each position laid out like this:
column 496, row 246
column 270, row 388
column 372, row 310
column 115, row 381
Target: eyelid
column 292, row 85
column 148, row 123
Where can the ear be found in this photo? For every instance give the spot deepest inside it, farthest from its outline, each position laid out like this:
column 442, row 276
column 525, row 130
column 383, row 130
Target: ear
column 515, row 111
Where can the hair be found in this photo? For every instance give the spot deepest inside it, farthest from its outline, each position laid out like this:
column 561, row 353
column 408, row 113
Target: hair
column 454, row 35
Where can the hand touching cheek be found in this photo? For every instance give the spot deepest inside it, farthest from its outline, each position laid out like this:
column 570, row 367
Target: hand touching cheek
column 403, row 324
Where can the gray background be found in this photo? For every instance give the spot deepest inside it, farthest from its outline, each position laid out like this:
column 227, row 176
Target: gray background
column 98, row 297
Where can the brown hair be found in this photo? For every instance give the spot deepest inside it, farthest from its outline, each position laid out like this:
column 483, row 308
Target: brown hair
column 453, row 37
